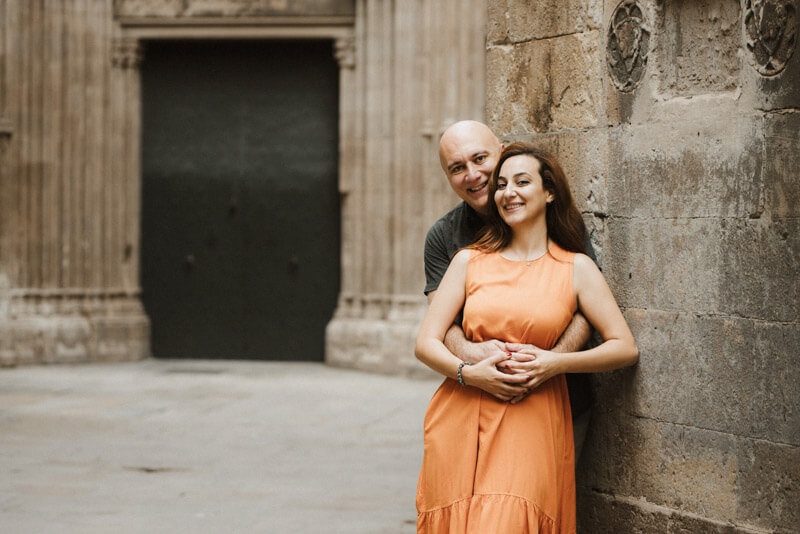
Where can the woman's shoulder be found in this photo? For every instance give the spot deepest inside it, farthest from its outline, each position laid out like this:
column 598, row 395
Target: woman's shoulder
column 585, row 270
column 462, row 256
column 584, row 264
column 472, row 257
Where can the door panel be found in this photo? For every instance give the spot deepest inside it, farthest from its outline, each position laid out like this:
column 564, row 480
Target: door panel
column 240, row 208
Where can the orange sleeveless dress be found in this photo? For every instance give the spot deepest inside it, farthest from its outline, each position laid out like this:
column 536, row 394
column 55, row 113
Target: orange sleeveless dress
column 490, row 466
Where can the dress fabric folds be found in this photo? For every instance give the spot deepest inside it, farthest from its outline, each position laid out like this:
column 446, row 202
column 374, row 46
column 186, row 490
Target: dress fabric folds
column 490, row 466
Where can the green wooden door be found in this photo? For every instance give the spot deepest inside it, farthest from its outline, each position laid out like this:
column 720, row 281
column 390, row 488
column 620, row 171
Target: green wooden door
column 240, row 206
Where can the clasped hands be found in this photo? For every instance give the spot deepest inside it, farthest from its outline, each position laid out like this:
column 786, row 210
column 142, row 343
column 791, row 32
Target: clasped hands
column 511, row 371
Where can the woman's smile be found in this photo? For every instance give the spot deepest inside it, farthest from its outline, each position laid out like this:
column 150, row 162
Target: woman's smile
column 513, row 206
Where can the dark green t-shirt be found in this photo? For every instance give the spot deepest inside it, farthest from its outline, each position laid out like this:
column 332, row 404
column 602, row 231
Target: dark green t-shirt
column 454, row 231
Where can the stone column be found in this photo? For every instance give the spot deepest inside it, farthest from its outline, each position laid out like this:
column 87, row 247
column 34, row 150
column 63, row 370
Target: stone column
column 419, row 67
column 68, row 279
column 677, row 123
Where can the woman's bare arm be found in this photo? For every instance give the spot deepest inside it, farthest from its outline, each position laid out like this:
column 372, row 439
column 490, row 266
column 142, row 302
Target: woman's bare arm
column 430, row 349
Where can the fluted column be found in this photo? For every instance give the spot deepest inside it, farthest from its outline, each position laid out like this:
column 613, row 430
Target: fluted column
column 70, row 190
column 349, row 176
column 419, row 66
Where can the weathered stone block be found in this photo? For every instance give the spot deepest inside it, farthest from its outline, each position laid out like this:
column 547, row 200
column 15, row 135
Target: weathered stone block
column 505, row 109
column 647, row 261
column 683, row 468
column 700, row 45
column 497, row 23
column 782, row 165
column 600, row 512
column 760, row 262
column 707, row 266
column 547, row 85
column 549, row 18
column 708, row 167
column 727, row 374
column 769, row 485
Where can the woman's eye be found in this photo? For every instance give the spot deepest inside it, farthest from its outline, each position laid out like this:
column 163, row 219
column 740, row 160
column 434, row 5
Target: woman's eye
column 501, row 185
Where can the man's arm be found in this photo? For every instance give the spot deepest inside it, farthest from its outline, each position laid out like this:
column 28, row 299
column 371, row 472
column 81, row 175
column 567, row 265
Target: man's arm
column 575, row 336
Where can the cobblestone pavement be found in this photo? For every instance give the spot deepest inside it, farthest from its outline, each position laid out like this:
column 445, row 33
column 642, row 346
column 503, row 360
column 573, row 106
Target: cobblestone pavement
column 208, row 446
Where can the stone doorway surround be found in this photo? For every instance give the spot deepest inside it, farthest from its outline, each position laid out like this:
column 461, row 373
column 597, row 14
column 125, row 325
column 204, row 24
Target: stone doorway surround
column 70, row 199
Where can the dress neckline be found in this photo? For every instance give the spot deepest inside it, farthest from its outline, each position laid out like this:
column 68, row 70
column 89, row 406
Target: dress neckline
column 528, row 262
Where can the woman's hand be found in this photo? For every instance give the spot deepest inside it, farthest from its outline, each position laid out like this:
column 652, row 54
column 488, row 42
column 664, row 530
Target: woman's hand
column 538, row 365
column 485, row 376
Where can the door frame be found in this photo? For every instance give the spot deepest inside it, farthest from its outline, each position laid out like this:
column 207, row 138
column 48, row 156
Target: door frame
column 128, row 49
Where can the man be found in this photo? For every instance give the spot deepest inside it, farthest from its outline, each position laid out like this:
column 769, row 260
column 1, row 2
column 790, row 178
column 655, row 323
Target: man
column 468, row 152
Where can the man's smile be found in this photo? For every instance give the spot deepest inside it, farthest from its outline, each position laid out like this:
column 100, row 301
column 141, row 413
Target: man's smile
column 479, row 188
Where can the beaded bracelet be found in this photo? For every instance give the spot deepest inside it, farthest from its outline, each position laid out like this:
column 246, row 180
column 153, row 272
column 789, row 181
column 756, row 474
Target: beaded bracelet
column 460, row 378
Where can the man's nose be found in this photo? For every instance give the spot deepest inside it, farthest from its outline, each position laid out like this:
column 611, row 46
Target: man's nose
column 473, row 171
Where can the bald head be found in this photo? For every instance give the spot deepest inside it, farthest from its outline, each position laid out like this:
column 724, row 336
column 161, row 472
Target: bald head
column 464, row 133
column 468, row 152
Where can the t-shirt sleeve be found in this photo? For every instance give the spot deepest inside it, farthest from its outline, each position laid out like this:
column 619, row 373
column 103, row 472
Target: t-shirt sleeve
column 437, row 258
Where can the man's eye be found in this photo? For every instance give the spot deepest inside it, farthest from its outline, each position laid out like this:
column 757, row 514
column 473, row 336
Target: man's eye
column 456, row 170
column 480, row 159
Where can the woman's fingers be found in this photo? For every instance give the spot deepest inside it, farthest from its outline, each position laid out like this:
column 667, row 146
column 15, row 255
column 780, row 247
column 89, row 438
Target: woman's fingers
column 496, row 358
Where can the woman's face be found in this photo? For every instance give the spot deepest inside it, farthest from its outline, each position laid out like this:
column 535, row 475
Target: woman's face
column 520, row 195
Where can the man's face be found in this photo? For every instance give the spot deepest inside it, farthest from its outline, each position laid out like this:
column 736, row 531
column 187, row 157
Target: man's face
column 468, row 157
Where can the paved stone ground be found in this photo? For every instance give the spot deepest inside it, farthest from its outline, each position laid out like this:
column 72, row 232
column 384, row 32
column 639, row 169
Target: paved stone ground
column 208, row 446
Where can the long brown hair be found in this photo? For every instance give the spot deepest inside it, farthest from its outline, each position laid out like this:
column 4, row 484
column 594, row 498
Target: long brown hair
column 564, row 222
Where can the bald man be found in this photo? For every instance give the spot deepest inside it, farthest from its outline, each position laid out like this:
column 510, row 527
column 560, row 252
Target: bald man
column 468, row 152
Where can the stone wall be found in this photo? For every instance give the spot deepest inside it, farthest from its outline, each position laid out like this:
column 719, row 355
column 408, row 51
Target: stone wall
column 679, row 125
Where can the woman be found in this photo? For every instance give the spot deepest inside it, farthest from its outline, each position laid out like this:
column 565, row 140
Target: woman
column 492, row 466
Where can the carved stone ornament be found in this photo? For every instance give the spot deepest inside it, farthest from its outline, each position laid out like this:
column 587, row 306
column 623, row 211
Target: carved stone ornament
column 771, row 33
column 628, row 45
column 345, row 52
column 126, row 53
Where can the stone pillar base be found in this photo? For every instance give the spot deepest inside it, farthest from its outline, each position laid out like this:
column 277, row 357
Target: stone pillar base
column 375, row 345
column 376, row 334
column 73, row 328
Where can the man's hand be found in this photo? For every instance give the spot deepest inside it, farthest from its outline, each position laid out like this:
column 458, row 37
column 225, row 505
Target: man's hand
column 477, row 352
column 457, row 343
